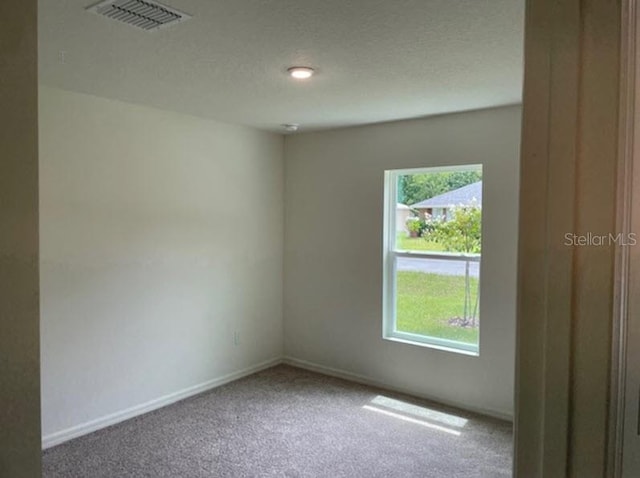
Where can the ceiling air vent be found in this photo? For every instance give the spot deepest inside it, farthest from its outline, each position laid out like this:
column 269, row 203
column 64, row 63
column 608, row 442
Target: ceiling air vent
column 146, row 14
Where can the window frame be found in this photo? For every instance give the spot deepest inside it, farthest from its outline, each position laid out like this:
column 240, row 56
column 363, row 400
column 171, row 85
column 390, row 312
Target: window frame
column 390, row 253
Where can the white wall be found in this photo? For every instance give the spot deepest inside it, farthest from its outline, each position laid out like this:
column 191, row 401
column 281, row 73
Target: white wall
column 161, row 235
column 333, row 253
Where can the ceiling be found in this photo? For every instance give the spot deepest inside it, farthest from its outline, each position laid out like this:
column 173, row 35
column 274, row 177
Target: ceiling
column 376, row 60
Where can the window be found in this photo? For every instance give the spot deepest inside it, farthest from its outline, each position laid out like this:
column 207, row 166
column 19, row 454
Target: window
column 432, row 252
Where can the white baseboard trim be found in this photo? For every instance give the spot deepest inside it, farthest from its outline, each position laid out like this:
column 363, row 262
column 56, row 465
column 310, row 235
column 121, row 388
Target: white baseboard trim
column 76, row 431
column 363, row 379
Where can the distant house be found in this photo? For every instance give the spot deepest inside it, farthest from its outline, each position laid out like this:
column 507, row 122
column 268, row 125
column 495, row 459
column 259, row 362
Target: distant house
column 438, row 206
column 403, row 213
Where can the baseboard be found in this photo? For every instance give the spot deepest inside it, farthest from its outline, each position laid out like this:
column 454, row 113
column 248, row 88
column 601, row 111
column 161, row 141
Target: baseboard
column 76, row 431
column 363, row 379
column 88, row 427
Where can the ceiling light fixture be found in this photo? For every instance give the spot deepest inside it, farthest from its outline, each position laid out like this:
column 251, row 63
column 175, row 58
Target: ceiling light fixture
column 301, row 72
column 290, row 127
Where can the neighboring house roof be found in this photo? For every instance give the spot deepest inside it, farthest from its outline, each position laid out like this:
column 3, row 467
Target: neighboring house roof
column 462, row 196
column 402, row 206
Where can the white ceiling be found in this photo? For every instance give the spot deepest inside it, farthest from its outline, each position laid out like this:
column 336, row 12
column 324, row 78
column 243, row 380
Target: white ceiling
column 377, row 60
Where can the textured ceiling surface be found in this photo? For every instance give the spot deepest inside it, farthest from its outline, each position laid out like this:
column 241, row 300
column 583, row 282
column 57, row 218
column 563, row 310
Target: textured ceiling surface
column 376, row 60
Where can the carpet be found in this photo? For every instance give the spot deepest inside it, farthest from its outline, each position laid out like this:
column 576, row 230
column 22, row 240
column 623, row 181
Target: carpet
column 288, row 422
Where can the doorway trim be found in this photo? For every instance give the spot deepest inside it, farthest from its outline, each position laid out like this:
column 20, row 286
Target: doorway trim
column 569, row 185
column 627, row 156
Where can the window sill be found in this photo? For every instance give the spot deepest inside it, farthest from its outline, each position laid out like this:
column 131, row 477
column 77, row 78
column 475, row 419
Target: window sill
column 445, row 348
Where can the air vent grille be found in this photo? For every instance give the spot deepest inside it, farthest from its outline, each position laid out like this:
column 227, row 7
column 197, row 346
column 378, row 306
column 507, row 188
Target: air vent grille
column 145, row 14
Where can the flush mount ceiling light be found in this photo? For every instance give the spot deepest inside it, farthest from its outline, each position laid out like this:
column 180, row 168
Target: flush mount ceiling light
column 301, row 72
column 291, row 127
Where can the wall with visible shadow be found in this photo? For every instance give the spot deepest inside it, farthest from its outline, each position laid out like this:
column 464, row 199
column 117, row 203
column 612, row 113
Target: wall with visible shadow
column 333, row 253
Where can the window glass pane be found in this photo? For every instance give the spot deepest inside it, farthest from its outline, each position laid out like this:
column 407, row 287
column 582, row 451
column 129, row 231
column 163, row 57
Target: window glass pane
column 438, row 298
column 438, row 211
column 432, row 266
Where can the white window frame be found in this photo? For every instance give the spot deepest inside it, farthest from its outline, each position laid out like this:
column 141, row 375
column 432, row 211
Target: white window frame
column 390, row 253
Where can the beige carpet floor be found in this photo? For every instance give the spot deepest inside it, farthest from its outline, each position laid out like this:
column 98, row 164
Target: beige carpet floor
column 288, row 422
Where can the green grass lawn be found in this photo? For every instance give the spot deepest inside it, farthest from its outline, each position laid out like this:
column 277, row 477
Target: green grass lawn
column 425, row 302
column 405, row 243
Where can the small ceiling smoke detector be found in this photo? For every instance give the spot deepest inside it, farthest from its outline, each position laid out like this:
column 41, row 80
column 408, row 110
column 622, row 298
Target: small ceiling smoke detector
column 301, row 72
column 290, row 127
column 148, row 15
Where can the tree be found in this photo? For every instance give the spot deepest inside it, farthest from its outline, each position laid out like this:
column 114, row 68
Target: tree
column 418, row 187
column 413, row 188
column 458, row 179
column 461, row 232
